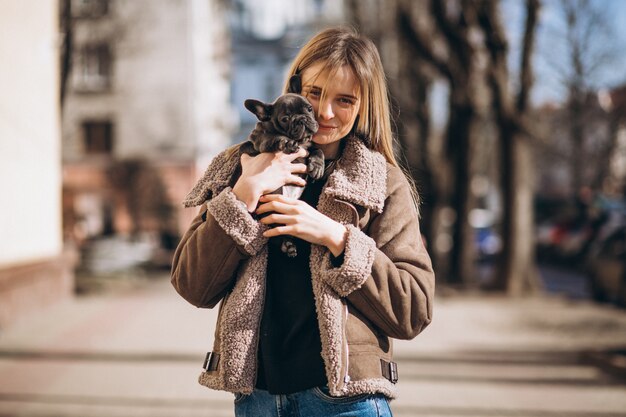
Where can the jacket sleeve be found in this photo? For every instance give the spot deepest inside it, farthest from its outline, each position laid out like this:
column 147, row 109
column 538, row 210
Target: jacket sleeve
column 206, row 260
column 386, row 272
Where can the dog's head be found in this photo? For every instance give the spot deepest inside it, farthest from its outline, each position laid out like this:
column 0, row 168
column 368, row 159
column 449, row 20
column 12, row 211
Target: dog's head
column 291, row 115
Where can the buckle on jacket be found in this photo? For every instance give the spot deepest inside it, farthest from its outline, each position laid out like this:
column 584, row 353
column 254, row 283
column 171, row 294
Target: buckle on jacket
column 210, row 361
column 389, row 370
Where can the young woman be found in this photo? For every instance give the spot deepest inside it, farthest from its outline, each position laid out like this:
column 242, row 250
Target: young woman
column 311, row 335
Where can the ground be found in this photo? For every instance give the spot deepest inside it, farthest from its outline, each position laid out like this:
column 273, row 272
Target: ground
column 137, row 351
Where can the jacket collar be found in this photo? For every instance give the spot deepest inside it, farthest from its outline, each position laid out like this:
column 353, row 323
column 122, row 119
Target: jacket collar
column 216, row 177
column 360, row 177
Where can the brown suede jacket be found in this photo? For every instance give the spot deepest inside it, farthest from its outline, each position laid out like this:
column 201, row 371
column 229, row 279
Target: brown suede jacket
column 384, row 289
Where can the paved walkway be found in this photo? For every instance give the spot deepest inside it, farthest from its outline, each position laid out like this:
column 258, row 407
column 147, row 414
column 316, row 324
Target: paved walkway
column 138, row 353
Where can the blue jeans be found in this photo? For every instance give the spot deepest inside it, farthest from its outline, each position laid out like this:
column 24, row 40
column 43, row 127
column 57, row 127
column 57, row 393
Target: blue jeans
column 314, row 402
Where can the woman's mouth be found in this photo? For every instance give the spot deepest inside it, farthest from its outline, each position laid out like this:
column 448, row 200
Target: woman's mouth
column 325, row 128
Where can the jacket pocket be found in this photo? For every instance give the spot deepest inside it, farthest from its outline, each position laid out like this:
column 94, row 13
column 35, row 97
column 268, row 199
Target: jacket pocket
column 361, row 331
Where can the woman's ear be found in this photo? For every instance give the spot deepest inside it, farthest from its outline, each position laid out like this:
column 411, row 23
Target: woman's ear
column 295, row 84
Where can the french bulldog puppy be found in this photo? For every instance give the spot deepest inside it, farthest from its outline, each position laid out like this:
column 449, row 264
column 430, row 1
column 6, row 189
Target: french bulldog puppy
column 286, row 125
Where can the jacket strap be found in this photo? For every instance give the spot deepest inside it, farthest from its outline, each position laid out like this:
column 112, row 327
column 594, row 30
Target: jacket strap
column 389, row 370
column 211, row 361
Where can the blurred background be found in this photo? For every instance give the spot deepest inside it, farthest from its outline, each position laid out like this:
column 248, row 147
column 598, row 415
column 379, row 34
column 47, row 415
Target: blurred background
column 510, row 115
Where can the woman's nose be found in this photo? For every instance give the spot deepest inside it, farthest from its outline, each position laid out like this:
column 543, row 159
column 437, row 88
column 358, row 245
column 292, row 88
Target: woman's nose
column 326, row 110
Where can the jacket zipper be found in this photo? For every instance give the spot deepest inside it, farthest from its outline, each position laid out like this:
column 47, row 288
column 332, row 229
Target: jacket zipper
column 258, row 338
column 346, row 356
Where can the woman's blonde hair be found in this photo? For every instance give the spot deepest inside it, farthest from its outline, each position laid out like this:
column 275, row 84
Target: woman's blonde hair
column 338, row 47
column 341, row 46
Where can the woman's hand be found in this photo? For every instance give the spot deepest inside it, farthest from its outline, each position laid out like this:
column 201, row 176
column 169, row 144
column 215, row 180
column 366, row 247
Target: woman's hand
column 266, row 172
column 297, row 218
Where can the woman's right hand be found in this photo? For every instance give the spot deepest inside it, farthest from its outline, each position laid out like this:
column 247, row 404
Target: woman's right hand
column 266, row 172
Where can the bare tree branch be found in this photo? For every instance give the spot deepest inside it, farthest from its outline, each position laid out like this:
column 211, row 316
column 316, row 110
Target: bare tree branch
column 526, row 77
column 419, row 44
column 454, row 33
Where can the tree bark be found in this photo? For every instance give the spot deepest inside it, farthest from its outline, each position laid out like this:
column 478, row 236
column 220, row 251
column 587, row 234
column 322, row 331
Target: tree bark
column 461, row 133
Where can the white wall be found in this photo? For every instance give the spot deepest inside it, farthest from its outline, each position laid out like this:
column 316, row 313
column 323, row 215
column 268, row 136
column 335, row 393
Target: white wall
column 30, row 160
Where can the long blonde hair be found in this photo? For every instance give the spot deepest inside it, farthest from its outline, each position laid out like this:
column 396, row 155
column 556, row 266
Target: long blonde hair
column 341, row 46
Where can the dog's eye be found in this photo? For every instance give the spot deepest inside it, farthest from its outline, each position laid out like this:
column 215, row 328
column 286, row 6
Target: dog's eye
column 309, row 108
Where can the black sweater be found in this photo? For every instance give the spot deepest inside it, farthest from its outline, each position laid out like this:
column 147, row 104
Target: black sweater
column 289, row 346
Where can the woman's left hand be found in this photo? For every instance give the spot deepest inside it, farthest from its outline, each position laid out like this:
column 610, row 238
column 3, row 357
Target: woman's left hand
column 297, row 218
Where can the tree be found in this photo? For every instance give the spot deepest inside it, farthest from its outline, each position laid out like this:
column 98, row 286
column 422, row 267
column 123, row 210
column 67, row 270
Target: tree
column 516, row 273
column 447, row 44
column 462, row 43
column 144, row 195
column 410, row 84
column 584, row 51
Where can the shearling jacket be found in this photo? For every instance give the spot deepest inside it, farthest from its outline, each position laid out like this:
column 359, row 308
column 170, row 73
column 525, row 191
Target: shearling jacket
column 383, row 289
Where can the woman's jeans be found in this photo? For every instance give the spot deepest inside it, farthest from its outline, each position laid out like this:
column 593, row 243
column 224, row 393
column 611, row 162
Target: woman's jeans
column 314, row 402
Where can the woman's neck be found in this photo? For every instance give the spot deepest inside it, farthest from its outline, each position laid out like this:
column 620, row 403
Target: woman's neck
column 332, row 150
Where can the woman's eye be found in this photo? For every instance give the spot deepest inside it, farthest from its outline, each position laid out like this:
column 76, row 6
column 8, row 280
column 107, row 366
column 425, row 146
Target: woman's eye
column 314, row 93
column 346, row 101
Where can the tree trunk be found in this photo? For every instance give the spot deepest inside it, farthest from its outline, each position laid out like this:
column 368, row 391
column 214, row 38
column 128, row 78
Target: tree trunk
column 460, row 138
column 577, row 134
column 517, row 273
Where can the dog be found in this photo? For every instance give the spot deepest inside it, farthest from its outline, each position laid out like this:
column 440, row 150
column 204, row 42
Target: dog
column 286, row 125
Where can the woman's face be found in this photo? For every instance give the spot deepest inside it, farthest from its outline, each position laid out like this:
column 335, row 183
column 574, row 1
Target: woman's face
column 336, row 114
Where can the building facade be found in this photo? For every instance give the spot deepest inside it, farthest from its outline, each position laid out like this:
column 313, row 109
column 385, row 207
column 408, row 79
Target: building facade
column 147, row 106
column 266, row 36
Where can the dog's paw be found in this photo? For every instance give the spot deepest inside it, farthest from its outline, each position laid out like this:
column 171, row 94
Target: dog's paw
column 281, row 143
column 248, row 148
column 315, row 169
column 289, row 248
column 291, row 146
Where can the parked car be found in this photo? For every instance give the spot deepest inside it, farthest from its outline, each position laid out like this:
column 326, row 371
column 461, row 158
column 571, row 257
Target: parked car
column 606, row 261
column 606, row 266
column 568, row 235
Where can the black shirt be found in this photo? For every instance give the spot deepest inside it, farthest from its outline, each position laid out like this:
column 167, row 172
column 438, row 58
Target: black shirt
column 289, row 347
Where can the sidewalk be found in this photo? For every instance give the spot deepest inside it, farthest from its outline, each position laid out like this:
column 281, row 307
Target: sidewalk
column 139, row 352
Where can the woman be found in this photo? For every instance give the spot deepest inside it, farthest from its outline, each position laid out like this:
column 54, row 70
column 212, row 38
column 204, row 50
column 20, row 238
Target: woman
column 311, row 335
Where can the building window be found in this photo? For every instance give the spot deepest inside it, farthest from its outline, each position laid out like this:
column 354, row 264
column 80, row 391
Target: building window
column 98, row 137
column 94, row 68
column 90, row 9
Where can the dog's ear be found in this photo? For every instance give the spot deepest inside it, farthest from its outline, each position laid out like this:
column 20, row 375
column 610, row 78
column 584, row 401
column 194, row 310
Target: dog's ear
column 263, row 111
column 295, row 84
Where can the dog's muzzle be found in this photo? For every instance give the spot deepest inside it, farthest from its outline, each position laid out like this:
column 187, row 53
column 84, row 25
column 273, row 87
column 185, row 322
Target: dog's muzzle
column 302, row 127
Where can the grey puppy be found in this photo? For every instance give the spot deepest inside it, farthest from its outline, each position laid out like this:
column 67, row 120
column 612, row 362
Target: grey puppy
column 286, row 125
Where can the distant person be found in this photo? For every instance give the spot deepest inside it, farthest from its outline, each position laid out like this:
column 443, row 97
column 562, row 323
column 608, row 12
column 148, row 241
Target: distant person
column 310, row 336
